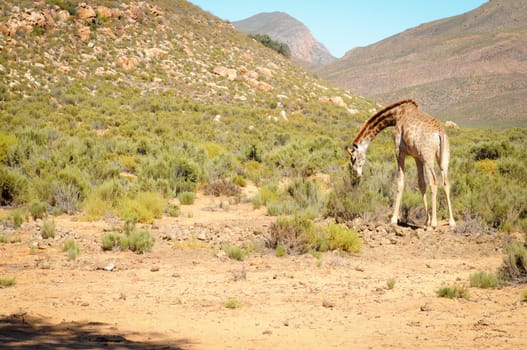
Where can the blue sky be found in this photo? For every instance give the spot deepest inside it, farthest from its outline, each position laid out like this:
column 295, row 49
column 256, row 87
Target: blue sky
column 344, row 24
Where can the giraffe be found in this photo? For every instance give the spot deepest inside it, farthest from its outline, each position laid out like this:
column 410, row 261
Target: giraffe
column 418, row 135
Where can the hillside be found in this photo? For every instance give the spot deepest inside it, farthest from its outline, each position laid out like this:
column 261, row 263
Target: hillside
column 158, row 97
column 305, row 49
column 469, row 68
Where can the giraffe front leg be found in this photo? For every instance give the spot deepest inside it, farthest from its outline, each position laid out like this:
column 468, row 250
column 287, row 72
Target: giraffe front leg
column 399, row 196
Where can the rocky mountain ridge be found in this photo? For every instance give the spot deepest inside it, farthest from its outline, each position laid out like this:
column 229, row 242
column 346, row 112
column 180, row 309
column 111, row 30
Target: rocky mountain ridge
column 280, row 26
column 470, row 68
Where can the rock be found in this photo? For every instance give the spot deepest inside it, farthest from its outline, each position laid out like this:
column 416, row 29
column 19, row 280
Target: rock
column 154, row 52
column 328, row 304
column 229, row 73
column 63, row 16
column 86, row 13
column 84, row 32
column 338, row 101
column 265, row 72
column 107, row 32
column 127, row 63
column 451, row 124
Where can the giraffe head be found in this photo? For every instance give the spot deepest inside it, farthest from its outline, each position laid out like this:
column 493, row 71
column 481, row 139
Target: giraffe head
column 357, row 159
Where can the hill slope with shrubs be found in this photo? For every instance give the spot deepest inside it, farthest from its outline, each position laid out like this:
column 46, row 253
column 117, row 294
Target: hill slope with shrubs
column 115, row 108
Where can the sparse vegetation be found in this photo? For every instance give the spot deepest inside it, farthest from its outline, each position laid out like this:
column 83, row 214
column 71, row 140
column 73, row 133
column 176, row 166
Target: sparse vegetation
column 235, row 252
column 281, row 48
column 514, row 266
column 281, row 250
column 48, row 229
column 141, row 241
column 7, row 281
column 484, row 279
column 186, row 198
column 233, row 303
column 390, row 283
column 114, row 241
column 72, row 248
column 455, row 291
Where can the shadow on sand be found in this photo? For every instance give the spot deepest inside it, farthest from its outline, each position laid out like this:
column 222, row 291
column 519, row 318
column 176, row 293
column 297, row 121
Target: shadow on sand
column 21, row 332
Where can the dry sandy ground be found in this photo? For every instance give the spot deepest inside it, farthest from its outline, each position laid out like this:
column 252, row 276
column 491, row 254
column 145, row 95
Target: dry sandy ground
column 174, row 297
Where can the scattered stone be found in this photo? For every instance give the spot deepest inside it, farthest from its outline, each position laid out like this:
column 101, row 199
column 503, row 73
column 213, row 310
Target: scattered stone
column 484, row 322
column 426, row 307
column 267, row 332
column 154, row 269
column 328, row 304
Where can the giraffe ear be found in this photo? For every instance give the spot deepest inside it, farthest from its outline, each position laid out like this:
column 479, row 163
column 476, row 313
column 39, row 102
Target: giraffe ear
column 350, row 150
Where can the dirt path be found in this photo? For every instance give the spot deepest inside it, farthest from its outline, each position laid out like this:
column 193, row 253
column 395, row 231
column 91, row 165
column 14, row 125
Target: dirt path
column 174, row 297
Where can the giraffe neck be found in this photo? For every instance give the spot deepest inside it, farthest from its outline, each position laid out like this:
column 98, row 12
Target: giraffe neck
column 381, row 120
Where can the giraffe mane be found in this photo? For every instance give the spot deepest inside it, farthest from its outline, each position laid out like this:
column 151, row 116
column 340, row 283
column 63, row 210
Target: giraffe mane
column 394, row 105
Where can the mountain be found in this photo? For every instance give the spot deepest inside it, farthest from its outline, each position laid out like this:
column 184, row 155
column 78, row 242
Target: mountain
column 305, row 49
column 470, row 68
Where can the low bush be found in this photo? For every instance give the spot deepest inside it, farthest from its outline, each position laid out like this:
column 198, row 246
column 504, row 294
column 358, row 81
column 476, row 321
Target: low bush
column 281, row 250
column 235, row 253
column 296, row 234
column 141, row 241
column 451, row 292
column 12, row 186
column 342, row 238
column 7, row 281
column 72, row 248
column 38, row 210
column 173, row 210
column 186, row 198
column 114, row 241
column 17, row 218
column 222, row 187
column 48, row 229
column 484, row 279
column 514, row 266
column 233, row 303
column 144, row 208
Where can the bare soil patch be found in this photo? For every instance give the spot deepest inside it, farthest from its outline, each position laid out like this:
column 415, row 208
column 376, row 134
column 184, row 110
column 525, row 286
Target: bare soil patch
column 175, row 296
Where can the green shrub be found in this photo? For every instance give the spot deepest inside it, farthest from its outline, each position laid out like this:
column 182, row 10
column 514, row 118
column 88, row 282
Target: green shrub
column 7, row 281
column 72, row 248
column 144, row 208
column 112, row 241
column 12, row 186
column 281, row 250
column 235, row 253
column 342, row 238
column 222, row 187
column 514, row 266
column 141, row 241
column 172, row 210
column 186, row 198
column 390, row 283
column 48, row 229
column 17, row 218
column 38, row 210
column 5, row 142
column 296, row 234
column 483, row 279
column 453, row 292
column 233, row 303
column 264, row 39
